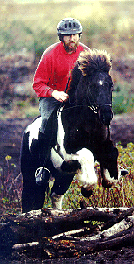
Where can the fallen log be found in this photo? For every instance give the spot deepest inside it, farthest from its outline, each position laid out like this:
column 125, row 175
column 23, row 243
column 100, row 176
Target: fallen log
column 74, row 247
column 49, row 222
column 74, row 215
column 58, row 232
column 20, row 247
column 31, row 226
column 115, row 230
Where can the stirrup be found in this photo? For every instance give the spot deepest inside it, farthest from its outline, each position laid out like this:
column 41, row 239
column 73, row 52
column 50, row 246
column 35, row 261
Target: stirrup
column 39, row 174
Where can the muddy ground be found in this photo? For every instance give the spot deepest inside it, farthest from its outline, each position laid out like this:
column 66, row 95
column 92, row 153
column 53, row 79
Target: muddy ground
column 118, row 256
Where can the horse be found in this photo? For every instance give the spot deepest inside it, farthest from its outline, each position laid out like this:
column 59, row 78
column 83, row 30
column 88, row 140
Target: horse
column 77, row 135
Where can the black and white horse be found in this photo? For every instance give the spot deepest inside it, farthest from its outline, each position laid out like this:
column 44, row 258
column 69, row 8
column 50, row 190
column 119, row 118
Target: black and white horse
column 77, row 135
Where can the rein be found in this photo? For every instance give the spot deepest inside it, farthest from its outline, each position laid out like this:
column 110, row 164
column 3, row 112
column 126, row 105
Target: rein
column 92, row 107
column 108, row 134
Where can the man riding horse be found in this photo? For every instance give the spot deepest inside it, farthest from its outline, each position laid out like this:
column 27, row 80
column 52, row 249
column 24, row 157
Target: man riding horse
column 68, row 137
column 53, row 72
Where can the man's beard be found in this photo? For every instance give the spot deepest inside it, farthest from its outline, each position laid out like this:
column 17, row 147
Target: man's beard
column 71, row 48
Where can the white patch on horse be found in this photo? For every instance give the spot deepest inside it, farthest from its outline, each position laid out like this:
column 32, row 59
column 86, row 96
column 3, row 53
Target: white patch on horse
column 85, row 157
column 60, row 142
column 33, row 130
column 87, row 173
column 56, row 159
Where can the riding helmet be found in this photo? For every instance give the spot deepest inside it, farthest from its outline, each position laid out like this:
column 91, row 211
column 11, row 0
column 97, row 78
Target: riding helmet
column 68, row 26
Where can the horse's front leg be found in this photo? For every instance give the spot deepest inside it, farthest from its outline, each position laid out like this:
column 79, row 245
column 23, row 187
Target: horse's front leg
column 107, row 180
column 80, row 164
column 86, row 175
column 63, row 171
column 110, row 171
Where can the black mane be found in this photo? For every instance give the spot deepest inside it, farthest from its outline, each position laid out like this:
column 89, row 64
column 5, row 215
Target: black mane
column 88, row 63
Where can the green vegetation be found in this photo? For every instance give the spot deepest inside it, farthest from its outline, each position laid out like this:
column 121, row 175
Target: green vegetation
column 123, row 98
column 10, row 188
column 106, row 25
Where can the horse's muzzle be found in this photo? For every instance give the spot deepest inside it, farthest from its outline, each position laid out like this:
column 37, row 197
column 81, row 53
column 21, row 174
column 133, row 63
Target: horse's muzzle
column 105, row 114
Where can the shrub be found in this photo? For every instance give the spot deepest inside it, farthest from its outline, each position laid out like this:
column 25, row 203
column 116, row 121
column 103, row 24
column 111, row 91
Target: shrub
column 10, row 187
column 123, row 98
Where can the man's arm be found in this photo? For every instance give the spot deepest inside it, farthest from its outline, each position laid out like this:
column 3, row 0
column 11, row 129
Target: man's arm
column 43, row 73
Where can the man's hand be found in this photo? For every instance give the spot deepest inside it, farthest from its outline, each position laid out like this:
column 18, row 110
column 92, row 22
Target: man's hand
column 60, row 95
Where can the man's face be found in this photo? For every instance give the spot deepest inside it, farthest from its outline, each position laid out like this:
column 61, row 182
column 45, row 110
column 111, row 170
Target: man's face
column 71, row 42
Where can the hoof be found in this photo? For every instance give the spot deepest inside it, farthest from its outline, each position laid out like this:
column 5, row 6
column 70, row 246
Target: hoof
column 86, row 192
column 83, row 204
column 107, row 184
column 57, row 201
column 70, row 166
column 124, row 172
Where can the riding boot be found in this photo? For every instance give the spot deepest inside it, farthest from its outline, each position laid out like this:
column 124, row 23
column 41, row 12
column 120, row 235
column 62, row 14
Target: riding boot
column 42, row 173
column 43, row 147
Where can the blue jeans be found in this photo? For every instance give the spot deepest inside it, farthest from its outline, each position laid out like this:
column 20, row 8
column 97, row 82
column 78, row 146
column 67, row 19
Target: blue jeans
column 46, row 106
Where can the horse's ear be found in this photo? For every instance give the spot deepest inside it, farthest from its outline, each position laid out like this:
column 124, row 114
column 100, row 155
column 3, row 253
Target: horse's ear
column 75, row 77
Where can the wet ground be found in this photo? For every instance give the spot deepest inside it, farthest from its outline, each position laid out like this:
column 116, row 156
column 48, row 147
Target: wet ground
column 125, row 255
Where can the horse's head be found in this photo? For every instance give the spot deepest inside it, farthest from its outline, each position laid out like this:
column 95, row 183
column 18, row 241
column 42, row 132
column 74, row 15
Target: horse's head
column 95, row 85
column 100, row 94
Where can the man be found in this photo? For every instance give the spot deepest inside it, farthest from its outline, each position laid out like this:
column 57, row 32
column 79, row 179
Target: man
column 54, row 69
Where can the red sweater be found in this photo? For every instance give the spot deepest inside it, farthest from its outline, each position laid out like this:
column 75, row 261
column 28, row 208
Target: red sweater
column 54, row 69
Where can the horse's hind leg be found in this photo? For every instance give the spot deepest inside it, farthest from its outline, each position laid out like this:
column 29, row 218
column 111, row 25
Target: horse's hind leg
column 56, row 201
column 32, row 196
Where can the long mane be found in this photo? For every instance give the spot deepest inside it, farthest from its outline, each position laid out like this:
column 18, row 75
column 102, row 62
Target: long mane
column 90, row 61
